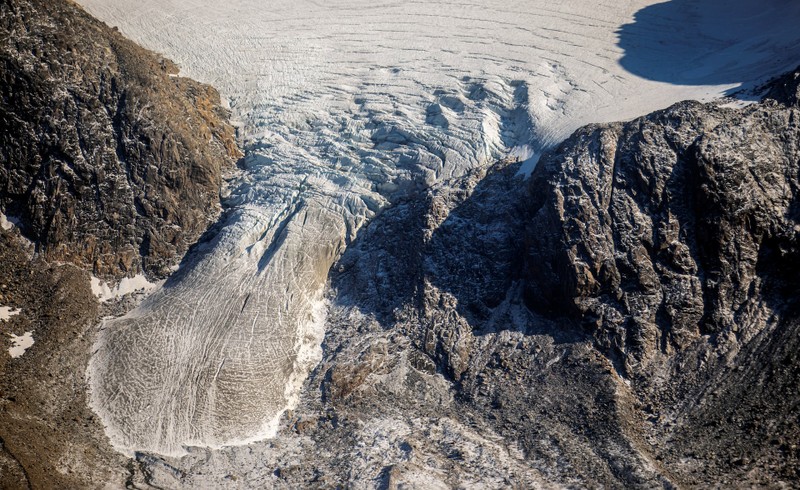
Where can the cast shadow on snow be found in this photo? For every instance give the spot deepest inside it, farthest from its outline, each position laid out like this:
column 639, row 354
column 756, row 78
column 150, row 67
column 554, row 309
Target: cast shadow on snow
column 475, row 258
column 715, row 42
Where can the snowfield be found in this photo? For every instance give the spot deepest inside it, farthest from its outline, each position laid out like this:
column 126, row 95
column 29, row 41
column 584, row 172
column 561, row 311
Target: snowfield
column 346, row 106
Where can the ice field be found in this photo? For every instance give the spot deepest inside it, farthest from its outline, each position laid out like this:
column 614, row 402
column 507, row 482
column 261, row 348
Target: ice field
column 346, row 106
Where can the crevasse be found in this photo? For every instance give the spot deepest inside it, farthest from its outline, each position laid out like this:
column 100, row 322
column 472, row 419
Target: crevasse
column 346, row 106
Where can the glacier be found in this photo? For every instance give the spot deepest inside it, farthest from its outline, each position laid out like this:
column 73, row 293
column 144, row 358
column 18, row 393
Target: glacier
column 344, row 107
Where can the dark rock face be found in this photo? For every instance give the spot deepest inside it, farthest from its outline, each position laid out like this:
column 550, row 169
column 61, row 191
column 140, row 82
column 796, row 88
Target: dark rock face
column 785, row 90
column 111, row 161
column 654, row 233
column 112, row 165
column 673, row 241
column 439, row 278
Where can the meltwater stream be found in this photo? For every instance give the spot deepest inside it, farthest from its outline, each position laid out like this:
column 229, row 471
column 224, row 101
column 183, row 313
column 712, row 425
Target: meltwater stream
column 345, row 106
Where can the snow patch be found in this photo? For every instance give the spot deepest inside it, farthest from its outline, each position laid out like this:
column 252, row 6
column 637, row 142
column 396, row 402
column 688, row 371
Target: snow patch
column 309, row 350
column 8, row 222
column 521, row 153
column 19, row 344
column 735, row 103
column 6, row 312
column 529, row 165
column 127, row 285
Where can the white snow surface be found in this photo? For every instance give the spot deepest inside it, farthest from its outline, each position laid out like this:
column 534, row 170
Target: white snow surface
column 6, row 312
column 19, row 344
column 105, row 292
column 344, row 106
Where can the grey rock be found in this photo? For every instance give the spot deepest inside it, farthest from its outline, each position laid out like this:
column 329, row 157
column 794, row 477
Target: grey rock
column 672, row 241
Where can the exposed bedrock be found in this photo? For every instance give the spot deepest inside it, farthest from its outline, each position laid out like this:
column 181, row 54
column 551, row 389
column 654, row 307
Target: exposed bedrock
column 110, row 160
column 674, row 242
column 49, row 437
column 669, row 228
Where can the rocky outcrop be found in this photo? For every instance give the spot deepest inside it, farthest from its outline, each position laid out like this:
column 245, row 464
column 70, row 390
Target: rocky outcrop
column 110, row 160
column 111, row 164
column 681, row 224
column 674, row 242
column 624, row 320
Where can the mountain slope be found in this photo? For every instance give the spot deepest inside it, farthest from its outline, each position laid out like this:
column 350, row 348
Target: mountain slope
column 110, row 165
column 111, row 161
column 673, row 242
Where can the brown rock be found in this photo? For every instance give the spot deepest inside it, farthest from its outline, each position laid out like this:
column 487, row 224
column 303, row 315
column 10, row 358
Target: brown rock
column 111, row 162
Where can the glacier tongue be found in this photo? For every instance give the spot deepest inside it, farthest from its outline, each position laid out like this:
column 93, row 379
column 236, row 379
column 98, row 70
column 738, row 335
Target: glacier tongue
column 346, row 106
column 206, row 359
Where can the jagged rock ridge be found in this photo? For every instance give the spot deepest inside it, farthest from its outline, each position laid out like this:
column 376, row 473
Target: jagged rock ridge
column 673, row 241
column 110, row 160
column 111, row 164
column 674, row 226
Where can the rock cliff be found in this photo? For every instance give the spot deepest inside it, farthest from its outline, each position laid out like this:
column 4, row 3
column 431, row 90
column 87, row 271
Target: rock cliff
column 108, row 158
column 678, row 225
column 672, row 241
